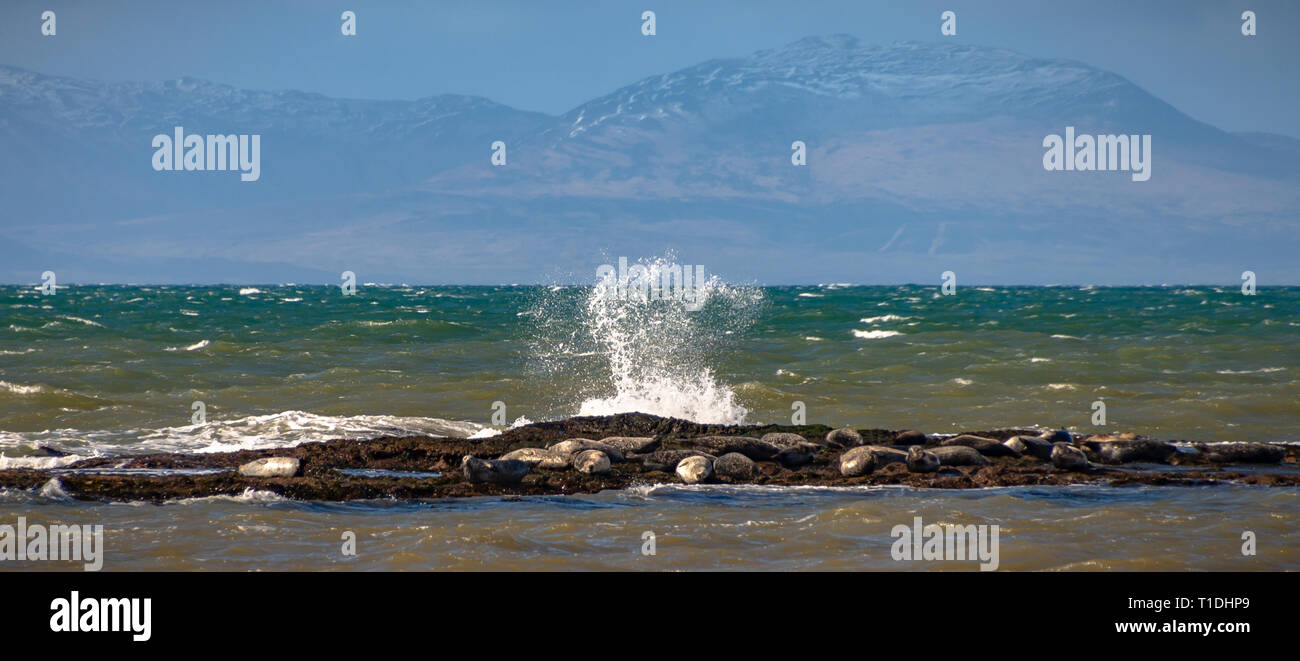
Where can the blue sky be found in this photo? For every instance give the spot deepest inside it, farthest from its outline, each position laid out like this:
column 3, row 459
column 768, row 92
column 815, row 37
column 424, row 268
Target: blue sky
column 552, row 56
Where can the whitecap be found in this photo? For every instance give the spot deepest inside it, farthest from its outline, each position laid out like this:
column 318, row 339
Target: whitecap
column 883, row 318
column 874, row 334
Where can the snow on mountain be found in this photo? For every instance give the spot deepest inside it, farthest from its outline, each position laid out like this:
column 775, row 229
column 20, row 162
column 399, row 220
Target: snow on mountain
column 919, row 155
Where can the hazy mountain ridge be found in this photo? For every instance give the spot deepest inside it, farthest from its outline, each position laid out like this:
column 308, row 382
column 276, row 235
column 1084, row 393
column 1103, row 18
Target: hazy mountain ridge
column 919, row 156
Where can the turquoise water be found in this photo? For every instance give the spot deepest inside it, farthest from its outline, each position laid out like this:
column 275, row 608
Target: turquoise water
column 104, row 370
column 95, row 369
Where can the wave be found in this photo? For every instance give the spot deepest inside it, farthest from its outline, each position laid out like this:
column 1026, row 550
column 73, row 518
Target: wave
column 874, row 334
column 634, row 344
column 648, row 346
column 193, row 347
column 19, row 389
column 255, row 432
column 81, row 321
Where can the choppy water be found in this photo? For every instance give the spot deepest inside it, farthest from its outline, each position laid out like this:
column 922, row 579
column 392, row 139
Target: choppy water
column 709, row 527
column 109, row 369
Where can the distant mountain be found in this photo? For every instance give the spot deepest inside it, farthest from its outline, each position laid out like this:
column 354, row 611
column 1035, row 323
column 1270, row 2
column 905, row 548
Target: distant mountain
column 921, row 158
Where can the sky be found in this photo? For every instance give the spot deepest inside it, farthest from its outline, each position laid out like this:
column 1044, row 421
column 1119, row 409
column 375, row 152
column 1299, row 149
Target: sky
column 552, row 56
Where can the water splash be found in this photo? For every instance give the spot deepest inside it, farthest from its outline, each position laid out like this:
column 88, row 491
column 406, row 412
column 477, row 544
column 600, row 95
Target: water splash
column 657, row 342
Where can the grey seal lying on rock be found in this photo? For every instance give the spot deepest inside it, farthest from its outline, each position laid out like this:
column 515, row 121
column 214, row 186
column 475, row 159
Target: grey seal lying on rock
column 1069, row 457
column 500, row 471
column 735, row 466
column 1034, row 446
column 694, row 470
column 921, row 461
column 958, row 455
column 591, row 462
column 844, row 437
column 985, row 446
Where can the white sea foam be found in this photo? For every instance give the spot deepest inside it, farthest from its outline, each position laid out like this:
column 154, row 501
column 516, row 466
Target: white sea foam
column 38, row 463
column 53, row 490
column 256, row 432
column 249, row 495
column 81, row 321
column 883, row 318
column 874, row 334
column 19, row 389
column 248, row 291
column 657, row 350
column 193, row 347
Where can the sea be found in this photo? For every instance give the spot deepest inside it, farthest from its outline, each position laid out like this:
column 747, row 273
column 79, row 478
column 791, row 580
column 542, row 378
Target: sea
column 94, row 370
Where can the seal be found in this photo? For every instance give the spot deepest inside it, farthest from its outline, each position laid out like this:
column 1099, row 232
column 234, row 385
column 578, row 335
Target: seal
column 985, row 446
column 694, row 470
column 909, row 437
column 591, row 462
column 1057, row 436
column 958, row 455
column 749, row 446
column 667, row 460
column 857, row 462
column 863, row 459
column 1242, row 453
column 844, row 437
column 538, row 458
column 576, row 445
column 887, row 455
column 1130, row 450
column 735, row 466
column 783, row 439
column 1033, row 446
column 920, row 461
column 632, row 444
column 271, row 467
column 1068, row 457
column 500, row 471
column 797, row 456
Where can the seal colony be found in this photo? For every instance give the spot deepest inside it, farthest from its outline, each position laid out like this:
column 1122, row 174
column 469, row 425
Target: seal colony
column 591, row 454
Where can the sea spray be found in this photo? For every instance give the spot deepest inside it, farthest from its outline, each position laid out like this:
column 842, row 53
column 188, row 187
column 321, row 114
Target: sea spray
column 652, row 354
